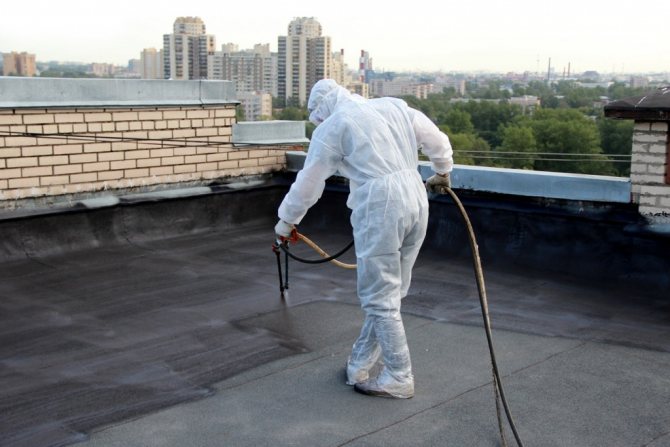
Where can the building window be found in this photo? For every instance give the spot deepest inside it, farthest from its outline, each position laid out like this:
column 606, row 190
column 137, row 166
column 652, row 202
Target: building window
column 667, row 156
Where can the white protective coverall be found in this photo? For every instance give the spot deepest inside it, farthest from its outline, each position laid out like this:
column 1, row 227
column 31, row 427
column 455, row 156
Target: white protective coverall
column 374, row 143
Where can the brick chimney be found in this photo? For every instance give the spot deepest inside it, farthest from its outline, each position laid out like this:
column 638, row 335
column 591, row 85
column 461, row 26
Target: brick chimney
column 650, row 170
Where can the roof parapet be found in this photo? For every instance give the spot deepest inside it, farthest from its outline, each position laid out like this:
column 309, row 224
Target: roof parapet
column 21, row 92
column 550, row 185
column 269, row 133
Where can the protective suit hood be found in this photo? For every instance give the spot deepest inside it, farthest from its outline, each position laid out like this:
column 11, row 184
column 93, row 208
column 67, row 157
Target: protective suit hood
column 324, row 97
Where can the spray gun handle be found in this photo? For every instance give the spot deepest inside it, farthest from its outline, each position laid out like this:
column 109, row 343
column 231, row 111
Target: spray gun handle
column 292, row 238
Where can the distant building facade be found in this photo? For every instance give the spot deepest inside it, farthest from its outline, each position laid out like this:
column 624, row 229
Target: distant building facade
column 400, row 87
column 134, row 68
column 339, row 68
column 359, row 88
column 252, row 70
column 528, row 103
column 639, row 81
column 256, row 105
column 186, row 50
column 364, row 67
column 442, row 82
column 151, row 64
column 102, row 70
column 18, row 64
column 304, row 58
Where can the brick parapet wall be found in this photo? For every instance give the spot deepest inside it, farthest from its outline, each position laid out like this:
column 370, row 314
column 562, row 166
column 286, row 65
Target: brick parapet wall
column 649, row 166
column 51, row 152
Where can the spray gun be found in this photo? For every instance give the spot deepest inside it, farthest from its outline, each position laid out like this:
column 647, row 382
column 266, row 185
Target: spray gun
column 282, row 243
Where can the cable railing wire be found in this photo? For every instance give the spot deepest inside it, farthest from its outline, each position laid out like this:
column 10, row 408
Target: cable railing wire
column 174, row 143
column 534, row 159
column 160, row 143
column 545, row 153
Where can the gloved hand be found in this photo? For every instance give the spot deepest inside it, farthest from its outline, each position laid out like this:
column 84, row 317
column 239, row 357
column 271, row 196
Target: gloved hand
column 438, row 183
column 283, row 229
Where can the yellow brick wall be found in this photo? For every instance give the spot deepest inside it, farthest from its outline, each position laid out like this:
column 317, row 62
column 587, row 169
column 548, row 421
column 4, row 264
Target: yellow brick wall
column 49, row 152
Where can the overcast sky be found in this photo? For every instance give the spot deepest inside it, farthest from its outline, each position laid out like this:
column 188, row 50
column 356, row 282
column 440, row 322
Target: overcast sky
column 420, row 35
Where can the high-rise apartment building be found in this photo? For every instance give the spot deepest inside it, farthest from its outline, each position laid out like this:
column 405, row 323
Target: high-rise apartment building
column 304, row 58
column 256, row 105
column 400, row 87
column 18, row 64
column 339, row 68
column 252, row 70
column 151, row 64
column 270, row 62
column 102, row 70
column 364, row 67
column 186, row 50
column 134, row 68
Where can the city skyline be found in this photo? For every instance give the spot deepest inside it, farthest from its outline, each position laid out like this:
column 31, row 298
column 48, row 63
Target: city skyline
column 492, row 36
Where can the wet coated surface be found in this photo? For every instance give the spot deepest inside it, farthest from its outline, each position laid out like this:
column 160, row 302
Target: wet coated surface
column 103, row 335
column 99, row 335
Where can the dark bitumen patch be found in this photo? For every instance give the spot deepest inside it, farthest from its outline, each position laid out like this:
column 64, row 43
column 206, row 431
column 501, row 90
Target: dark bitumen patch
column 100, row 336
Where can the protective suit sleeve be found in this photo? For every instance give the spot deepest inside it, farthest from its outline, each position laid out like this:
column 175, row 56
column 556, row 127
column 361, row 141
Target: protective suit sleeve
column 433, row 142
column 321, row 162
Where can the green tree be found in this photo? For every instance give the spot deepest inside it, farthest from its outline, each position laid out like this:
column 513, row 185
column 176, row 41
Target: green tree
column 570, row 142
column 292, row 114
column 551, row 102
column 459, row 121
column 619, row 90
column 518, row 148
column 424, row 105
column 488, row 116
column 470, row 149
column 617, row 140
column 239, row 113
column 539, row 89
column 492, row 89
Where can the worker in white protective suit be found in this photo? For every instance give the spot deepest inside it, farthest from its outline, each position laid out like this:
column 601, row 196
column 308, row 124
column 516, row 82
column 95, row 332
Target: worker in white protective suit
column 374, row 143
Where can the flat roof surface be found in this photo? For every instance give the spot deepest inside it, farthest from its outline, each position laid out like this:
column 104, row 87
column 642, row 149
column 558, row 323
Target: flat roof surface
column 184, row 341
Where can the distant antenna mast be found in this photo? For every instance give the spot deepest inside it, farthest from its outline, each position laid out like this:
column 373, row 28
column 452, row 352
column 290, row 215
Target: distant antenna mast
column 549, row 71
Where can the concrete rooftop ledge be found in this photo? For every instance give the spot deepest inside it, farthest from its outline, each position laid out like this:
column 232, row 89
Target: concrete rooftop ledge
column 19, row 92
column 550, row 185
column 269, row 132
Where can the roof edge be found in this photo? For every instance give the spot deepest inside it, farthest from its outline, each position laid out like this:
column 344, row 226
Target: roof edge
column 23, row 92
column 521, row 182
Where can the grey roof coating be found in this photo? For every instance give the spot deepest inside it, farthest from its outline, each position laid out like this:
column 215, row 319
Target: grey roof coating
column 161, row 324
column 654, row 106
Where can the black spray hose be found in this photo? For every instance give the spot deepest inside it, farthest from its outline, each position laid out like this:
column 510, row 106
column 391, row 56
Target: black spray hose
column 284, row 247
column 497, row 383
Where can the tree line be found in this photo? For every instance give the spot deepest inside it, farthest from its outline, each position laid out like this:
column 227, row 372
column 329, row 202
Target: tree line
column 567, row 133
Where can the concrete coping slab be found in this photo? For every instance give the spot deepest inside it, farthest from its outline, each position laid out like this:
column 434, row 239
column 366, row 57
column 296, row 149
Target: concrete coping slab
column 550, row 185
column 21, row 92
column 269, row 132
